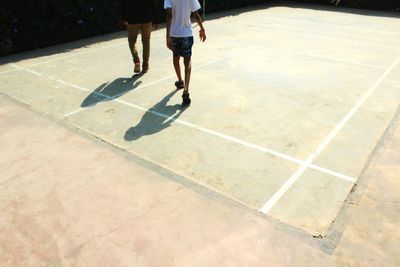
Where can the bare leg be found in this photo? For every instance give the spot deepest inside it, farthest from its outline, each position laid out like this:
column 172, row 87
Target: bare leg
column 177, row 67
column 188, row 71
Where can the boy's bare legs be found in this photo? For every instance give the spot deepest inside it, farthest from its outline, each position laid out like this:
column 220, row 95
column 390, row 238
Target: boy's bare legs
column 188, row 70
column 177, row 67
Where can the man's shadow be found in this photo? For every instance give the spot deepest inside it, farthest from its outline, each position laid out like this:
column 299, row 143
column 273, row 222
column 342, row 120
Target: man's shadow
column 112, row 90
column 156, row 119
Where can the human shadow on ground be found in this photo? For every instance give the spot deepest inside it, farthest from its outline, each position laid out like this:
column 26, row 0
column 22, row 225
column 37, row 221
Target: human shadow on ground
column 156, row 119
column 112, row 90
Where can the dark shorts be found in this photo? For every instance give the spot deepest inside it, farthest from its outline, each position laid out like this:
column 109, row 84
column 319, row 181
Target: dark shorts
column 182, row 46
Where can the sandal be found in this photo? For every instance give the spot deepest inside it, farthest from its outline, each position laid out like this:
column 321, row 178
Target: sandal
column 145, row 67
column 137, row 67
column 179, row 85
column 186, row 99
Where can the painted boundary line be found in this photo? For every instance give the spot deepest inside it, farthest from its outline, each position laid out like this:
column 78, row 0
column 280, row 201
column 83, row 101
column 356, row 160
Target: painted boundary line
column 345, row 62
column 8, row 71
column 77, row 54
column 318, row 35
column 295, row 176
column 357, row 42
column 60, row 58
column 357, row 29
column 273, row 28
column 80, row 53
column 107, row 97
column 305, row 164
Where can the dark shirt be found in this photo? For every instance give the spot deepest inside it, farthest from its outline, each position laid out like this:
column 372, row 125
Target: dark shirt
column 139, row 11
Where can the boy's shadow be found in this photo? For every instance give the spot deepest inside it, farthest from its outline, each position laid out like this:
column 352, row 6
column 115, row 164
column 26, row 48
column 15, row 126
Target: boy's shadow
column 156, row 119
column 112, row 90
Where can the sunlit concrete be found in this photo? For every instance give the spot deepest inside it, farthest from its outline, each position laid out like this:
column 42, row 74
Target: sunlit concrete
column 279, row 94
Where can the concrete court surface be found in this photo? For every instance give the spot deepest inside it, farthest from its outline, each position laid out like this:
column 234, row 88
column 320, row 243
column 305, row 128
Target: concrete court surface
column 287, row 114
column 69, row 200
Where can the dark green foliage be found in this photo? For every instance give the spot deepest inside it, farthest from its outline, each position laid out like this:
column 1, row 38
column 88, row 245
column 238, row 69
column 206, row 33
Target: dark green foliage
column 34, row 24
column 26, row 25
column 219, row 5
column 390, row 5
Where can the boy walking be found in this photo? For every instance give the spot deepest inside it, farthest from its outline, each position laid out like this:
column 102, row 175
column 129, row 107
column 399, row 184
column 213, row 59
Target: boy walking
column 180, row 38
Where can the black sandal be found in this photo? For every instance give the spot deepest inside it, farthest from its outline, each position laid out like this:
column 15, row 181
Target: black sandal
column 179, row 85
column 186, row 99
column 145, row 67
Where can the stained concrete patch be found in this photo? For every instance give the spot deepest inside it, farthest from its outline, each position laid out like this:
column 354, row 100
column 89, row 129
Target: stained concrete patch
column 48, row 202
column 313, row 202
column 20, row 159
column 42, row 93
column 296, row 76
column 352, row 147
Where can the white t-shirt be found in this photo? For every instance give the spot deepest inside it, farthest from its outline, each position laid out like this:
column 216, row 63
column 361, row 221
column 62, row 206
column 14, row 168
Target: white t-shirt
column 181, row 25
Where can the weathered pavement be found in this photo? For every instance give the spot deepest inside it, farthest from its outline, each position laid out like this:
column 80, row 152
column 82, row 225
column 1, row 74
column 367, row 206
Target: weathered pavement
column 102, row 173
column 70, row 200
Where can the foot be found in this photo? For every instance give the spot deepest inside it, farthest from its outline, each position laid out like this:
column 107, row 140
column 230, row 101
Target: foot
column 186, row 99
column 137, row 67
column 179, row 85
column 145, row 67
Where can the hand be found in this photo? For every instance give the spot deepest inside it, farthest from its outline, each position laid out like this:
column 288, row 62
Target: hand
column 125, row 23
column 202, row 35
column 169, row 42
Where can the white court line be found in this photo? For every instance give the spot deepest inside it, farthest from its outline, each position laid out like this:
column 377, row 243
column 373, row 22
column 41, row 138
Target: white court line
column 25, row 69
column 336, row 25
column 107, row 97
column 84, row 108
column 350, row 41
column 73, row 112
column 344, row 61
column 285, row 187
column 8, row 71
column 221, row 135
column 173, row 75
column 170, row 118
column 293, row 31
column 77, row 54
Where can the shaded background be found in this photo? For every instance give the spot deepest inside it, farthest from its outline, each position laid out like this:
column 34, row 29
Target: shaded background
column 27, row 25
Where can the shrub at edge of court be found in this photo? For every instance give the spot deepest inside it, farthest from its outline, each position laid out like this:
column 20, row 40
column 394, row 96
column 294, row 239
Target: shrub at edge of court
column 27, row 25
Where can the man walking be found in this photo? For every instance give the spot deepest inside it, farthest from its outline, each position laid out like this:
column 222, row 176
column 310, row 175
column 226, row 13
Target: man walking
column 180, row 38
column 138, row 16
